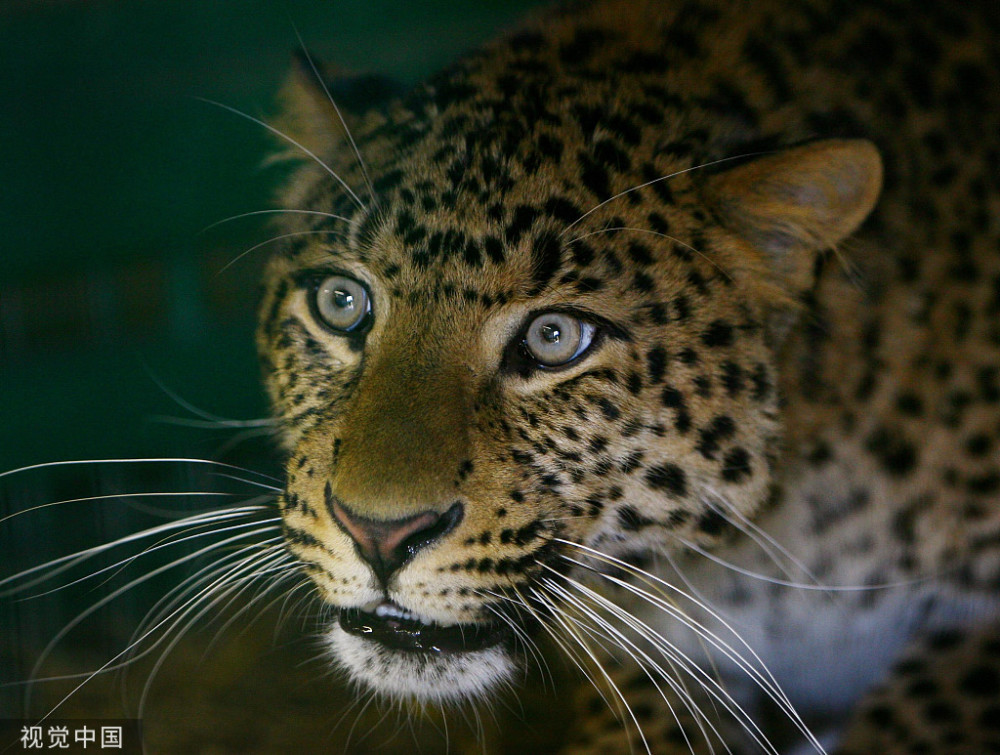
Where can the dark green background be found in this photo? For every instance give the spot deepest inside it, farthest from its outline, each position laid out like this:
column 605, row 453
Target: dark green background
column 110, row 169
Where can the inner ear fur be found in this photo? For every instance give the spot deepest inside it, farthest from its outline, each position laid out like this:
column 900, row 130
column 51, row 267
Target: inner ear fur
column 795, row 203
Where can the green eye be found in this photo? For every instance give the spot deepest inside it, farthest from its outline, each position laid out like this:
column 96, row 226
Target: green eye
column 555, row 338
column 342, row 303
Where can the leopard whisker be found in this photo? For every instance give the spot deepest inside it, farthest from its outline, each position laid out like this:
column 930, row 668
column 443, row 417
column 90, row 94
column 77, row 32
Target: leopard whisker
column 182, row 592
column 589, row 653
column 680, row 660
column 152, row 460
column 340, row 117
column 305, row 150
column 759, row 536
column 125, row 588
column 225, row 585
column 212, row 420
column 276, row 211
column 569, row 652
column 612, row 634
column 73, row 559
column 111, row 665
column 273, row 239
column 272, row 575
column 171, row 540
column 800, row 585
column 667, row 177
column 761, row 676
column 529, row 645
column 109, row 496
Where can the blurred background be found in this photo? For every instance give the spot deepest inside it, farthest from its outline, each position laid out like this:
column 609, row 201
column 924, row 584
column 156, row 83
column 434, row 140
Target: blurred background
column 123, row 332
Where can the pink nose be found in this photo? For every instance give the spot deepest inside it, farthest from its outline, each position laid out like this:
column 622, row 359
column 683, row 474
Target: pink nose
column 387, row 544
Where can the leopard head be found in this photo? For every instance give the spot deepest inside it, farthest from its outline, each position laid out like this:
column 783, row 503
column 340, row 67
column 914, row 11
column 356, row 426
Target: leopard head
column 514, row 332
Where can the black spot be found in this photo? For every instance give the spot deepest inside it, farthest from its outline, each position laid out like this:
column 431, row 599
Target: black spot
column 656, row 364
column 494, row 249
column 984, row 484
column 682, row 308
column 523, row 218
column 981, row 681
column 978, row 445
column 720, row 428
column 609, row 410
column 583, row 45
column 719, row 333
column 546, row 257
column 923, row 687
column 880, row 715
column 736, row 465
column 941, row 712
column 910, row 404
column 894, row 452
column 761, row 383
column 639, row 253
column 631, row 520
column 712, row 523
column 668, row 477
column 732, row 378
column 634, row 383
column 594, row 176
column 946, row 639
column 643, row 283
column 688, row 356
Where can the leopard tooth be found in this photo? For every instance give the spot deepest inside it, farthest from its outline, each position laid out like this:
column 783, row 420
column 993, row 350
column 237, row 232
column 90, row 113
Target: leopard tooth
column 387, row 610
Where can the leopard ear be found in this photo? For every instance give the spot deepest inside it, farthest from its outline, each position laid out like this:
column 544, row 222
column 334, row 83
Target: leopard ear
column 800, row 201
column 318, row 101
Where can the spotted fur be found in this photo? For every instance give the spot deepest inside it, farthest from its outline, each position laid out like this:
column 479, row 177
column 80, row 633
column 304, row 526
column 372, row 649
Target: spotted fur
column 783, row 383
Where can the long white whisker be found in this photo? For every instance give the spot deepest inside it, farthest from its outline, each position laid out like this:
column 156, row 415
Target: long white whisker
column 643, row 661
column 529, row 644
column 111, row 664
column 214, row 419
column 290, row 140
column 705, row 681
column 762, row 675
column 223, row 586
column 799, row 585
column 108, row 496
column 281, row 210
column 77, row 462
column 340, row 117
column 658, row 180
column 135, row 582
column 273, row 239
column 573, row 633
column 166, row 543
column 80, row 556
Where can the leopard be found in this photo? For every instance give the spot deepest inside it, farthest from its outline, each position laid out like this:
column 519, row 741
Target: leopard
column 668, row 332
column 664, row 336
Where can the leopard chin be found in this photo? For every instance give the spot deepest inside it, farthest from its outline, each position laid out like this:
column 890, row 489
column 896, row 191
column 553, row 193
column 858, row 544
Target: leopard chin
column 393, row 653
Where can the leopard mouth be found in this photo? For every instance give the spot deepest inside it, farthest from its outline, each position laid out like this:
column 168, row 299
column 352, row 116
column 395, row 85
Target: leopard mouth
column 397, row 629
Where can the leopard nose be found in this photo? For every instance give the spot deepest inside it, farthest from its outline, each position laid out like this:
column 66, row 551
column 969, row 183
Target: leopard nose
column 387, row 544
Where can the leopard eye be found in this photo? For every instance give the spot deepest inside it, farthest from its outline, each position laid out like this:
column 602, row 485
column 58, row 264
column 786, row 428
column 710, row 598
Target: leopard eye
column 556, row 338
column 342, row 303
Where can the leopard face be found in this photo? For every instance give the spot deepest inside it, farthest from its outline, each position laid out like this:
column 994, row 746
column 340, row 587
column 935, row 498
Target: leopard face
column 527, row 336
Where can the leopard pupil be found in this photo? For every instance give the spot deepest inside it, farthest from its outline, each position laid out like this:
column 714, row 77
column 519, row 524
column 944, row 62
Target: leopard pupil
column 343, row 300
column 551, row 333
